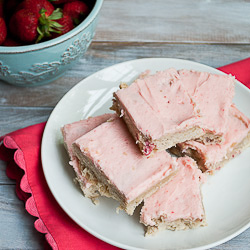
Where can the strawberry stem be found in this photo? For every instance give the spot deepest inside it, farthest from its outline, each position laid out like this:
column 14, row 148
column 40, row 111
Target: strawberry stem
column 57, row 14
column 47, row 24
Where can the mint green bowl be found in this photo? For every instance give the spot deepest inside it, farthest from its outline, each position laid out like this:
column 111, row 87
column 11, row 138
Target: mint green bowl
column 42, row 63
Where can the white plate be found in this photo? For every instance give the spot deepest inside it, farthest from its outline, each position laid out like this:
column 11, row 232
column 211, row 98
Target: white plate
column 226, row 194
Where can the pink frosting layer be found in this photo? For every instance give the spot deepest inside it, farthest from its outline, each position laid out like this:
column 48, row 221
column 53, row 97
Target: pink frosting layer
column 178, row 199
column 163, row 103
column 213, row 95
column 75, row 130
column 157, row 104
column 238, row 127
column 113, row 151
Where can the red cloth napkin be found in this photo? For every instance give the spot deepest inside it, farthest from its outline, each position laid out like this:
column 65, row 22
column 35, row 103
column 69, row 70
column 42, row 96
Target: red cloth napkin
column 241, row 70
column 21, row 149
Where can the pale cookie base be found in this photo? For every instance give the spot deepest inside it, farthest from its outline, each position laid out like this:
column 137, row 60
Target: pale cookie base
column 180, row 224
column 94, row 189
column 200, row 158
column 111, row 190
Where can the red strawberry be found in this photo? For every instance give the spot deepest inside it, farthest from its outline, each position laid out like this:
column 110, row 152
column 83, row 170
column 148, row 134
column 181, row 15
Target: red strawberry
column 10, row 42
column 28, row 28
column 60, row 1
column 1, row 8
column 66, row 25
column 36, row 6
column 3, row 30
column 23, row 25
column 77, row 10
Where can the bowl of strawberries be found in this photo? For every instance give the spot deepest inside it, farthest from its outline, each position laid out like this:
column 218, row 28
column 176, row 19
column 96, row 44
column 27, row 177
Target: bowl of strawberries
column 41, row 39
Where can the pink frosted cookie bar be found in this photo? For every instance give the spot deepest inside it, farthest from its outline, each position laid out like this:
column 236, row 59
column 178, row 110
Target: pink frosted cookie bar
column 88, row 183
column 160, row 110
column 177, row 205
column 212, row 157
column 213, row 94
column 109, row 152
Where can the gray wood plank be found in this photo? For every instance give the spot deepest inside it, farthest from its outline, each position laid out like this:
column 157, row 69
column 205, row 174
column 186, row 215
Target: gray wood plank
column 101, row 55
column 4, row 180
column 13, row 118
column 193, row 21
column 16, row 230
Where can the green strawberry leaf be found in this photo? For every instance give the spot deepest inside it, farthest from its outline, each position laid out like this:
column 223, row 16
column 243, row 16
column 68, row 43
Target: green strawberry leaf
column 55, row 31
column 47, row 25
column 57, row 14
column 55, row 24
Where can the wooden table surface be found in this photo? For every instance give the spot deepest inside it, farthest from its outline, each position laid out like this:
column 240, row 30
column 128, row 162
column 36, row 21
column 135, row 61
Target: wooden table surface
column 206, row 31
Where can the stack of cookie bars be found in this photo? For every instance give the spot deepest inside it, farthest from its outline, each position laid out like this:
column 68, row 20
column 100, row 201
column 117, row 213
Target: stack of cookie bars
column 169, row 130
